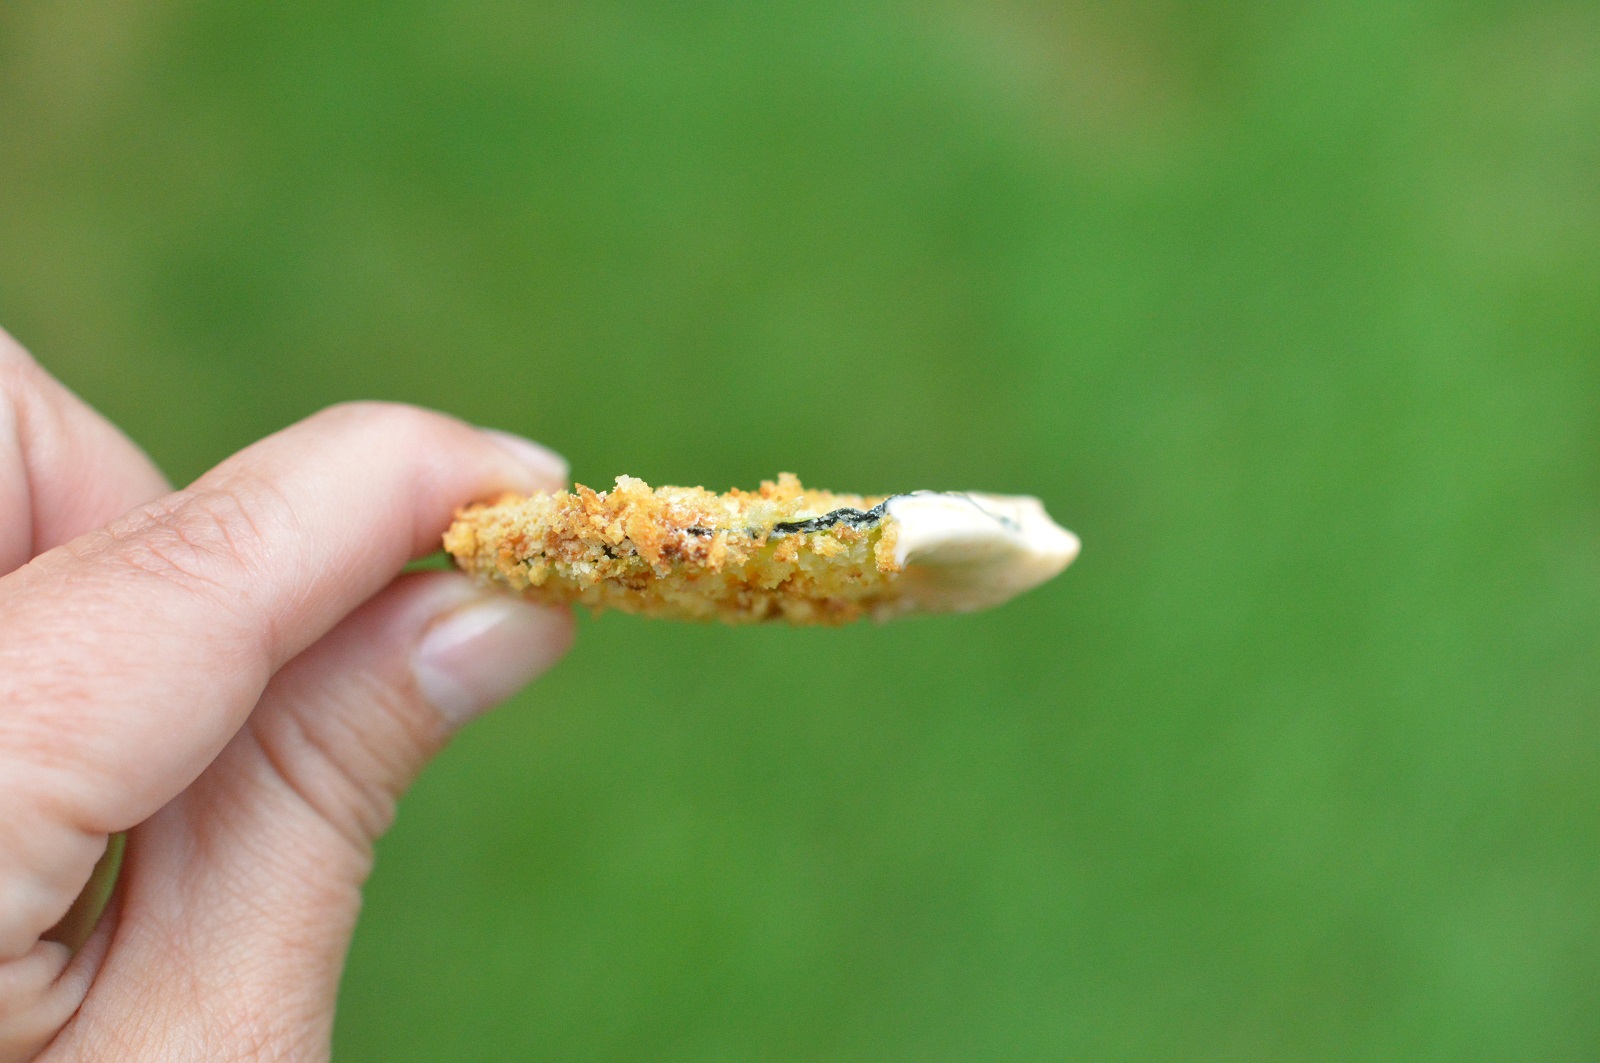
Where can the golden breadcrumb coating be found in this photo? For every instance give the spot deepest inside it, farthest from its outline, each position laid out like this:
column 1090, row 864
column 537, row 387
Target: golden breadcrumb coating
column 780, row 553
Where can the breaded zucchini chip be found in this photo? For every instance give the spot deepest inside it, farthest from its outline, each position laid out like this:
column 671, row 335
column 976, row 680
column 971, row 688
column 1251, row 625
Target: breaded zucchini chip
column 779, row 553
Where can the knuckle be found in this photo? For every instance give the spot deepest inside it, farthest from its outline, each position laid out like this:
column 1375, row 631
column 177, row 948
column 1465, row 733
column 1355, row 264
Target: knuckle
column 335, row 774
column 212, row 540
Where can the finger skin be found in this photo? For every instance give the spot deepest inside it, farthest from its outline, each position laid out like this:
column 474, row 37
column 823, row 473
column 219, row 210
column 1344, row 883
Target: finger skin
column 131, row 655
column 64, row 469
column 249, row 882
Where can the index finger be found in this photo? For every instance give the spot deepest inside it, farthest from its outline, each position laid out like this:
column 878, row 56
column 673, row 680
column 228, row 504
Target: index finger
column 129, row 656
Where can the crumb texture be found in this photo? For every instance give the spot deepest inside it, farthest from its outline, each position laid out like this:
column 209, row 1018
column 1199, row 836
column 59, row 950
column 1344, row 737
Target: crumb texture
column 685, row 552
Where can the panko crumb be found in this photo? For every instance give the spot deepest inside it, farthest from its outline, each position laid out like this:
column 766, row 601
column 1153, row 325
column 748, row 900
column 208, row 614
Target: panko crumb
column 779, row 553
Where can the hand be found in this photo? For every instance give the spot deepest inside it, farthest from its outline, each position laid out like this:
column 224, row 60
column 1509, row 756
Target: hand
column 234, row 675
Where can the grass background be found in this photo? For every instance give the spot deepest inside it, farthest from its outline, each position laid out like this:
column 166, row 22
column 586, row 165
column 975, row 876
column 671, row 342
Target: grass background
column 1290, row 310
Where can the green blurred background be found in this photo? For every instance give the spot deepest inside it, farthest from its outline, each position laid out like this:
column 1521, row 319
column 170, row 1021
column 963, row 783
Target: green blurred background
column 1292, row 311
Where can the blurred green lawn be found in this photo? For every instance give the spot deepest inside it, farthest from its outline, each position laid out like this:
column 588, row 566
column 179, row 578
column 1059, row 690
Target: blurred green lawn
column 1292, row 311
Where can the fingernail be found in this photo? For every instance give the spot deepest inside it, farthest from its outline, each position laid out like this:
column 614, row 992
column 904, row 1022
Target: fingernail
column 541, row 460
column 475, row 657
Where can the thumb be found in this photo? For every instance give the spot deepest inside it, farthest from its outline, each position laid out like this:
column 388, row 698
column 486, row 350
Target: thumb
column 240, row 896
